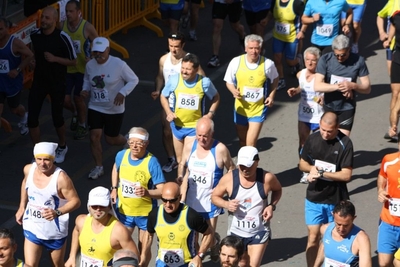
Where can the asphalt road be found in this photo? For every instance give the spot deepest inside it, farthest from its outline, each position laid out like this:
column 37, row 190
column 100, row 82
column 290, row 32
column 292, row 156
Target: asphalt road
column 277, row 144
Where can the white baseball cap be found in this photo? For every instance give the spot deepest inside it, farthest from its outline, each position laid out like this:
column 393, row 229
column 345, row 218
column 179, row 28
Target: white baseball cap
column 247, row 155
column 99, row 196
column 100, row 44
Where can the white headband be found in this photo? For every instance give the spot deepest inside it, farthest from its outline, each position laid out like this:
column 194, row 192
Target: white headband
column 139, row 136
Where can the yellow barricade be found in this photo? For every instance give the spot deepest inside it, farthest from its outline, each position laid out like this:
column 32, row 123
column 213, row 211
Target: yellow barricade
column 111, row 16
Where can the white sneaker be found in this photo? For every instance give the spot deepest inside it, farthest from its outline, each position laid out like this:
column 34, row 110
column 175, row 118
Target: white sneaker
column 303, row 179
column 60, row 154
column 23, row 126
column 96, row 172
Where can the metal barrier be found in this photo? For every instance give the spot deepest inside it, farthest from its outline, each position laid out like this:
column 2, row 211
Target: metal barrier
column 111, row 16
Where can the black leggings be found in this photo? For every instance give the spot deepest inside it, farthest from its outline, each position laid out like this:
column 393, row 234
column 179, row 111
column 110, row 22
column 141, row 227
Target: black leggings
column 35, row 103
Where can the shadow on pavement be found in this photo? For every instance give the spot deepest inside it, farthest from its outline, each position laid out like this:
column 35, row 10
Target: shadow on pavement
column 282, row 249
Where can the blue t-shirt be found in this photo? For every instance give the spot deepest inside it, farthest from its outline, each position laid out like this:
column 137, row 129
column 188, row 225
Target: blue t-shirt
column 327, row 28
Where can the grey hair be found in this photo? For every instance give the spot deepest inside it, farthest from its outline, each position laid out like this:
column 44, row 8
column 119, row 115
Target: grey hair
column 6, row 233
column 313, row 51
column 341, row 42
column 253, row 38
column 139, row 130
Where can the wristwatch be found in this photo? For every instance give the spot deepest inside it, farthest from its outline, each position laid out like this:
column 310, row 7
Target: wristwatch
column 273, row 206
column 19, row 69
column 201, row 255
column 58, row 213
column 321, row 172
column 113, row 187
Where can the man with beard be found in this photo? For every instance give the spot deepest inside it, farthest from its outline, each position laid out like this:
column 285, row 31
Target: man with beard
column 98, row 234
column 231, row 251
column 183, row 100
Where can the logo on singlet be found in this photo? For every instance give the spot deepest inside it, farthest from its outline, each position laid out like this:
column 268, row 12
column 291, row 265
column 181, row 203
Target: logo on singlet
column 98, row 82
column 171, row 236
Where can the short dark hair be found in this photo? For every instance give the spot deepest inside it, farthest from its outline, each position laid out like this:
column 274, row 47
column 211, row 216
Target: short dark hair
column 345, row 208
column 77, row 4
column 177, row 36
column 192, row 58
column 6, row 233
column 234, row 242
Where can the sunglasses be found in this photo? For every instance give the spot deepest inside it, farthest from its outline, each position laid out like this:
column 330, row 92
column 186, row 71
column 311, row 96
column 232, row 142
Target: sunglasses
column 169, row 200
column 340, row 55
column 96, row 207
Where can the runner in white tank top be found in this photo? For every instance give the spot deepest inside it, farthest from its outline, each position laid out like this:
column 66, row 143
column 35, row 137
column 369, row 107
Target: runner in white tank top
column 47, row 197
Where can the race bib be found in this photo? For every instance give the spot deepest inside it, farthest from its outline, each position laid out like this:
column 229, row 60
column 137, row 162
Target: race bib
column 253, row 94
column 394, row 207
column 188, row 101
column 35, row 213
column 308, row 110
column 282, row 28
column 4, row 66
column 77, row 46
column 325, row 30
column 202, row 179
column 326, row 166
column 332, row 263
column 247, row 223
column 129, row 188
column 173, row 258
column 99, row 95
column 338, row 79
column 90, row 262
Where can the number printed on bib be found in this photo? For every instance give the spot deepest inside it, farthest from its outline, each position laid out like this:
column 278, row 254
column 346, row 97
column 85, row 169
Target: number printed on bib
column 394, row 207
column 35, row 213
column 99, row 95
column 173, row 258
column 309, row 109
column 247, row 222
column 338, row 79
column 128, row 188
column 202, row 179
column 4, row 66
column 282, row 28
column 90, row 262
column 332, row 263
column 253, row 94
column 188, row 101
column 325, row 30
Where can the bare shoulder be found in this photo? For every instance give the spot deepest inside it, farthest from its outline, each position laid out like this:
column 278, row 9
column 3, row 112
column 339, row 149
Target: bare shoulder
column 27, row 168
column 162, row 59
column 362, row 237
column 80, row 220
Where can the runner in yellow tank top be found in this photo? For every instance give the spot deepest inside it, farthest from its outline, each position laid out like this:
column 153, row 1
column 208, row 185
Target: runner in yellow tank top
column 137, row 181
column 81, row 33
column 176, row 225
column 252, row 80
column 98, row 234
column 182, row 99
column 287, row 36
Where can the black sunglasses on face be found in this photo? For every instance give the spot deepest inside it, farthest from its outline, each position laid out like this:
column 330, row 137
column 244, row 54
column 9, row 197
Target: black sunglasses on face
column 169, row 200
